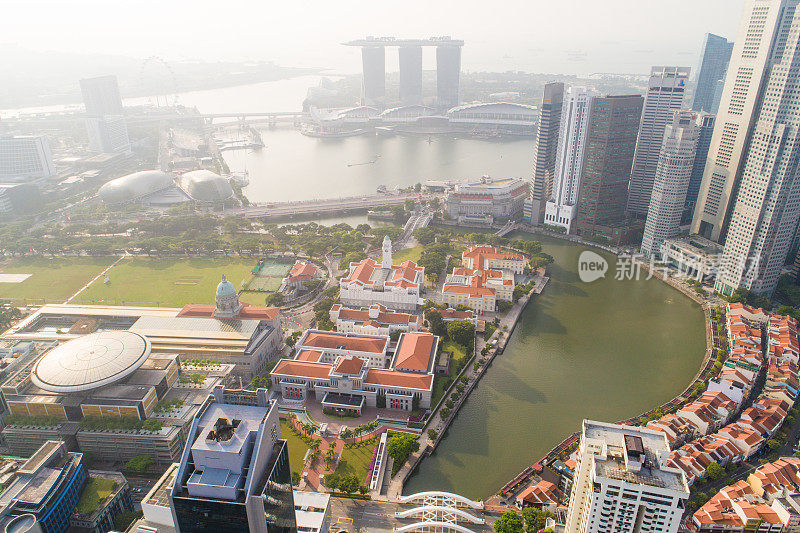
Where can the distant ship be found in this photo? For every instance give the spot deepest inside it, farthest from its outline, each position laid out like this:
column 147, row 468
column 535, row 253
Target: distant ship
column 314, row 131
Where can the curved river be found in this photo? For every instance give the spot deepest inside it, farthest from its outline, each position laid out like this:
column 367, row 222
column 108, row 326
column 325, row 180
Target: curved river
column 605, row 350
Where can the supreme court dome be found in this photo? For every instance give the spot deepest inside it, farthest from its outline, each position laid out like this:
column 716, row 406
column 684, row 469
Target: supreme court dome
column 91, row 361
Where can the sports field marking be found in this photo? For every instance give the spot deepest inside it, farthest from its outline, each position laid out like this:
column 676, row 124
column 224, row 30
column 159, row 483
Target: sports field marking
column 13, row 278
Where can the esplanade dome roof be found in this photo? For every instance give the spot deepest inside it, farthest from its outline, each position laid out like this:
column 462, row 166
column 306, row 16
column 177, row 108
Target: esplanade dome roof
column 91, row 361
column 206, row 186
column 133, row 186
column 225, row 288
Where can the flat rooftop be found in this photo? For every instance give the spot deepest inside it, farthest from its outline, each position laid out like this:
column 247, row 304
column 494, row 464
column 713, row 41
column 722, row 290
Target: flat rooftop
column 309, row 508
column 392, row 41
column 620, row 440
column 249, row 416
column 159, row 494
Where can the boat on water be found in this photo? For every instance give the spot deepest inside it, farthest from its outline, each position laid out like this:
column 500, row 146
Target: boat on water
column 313, row 131
column 242, row 179
column 370, row 162
column 385, row 131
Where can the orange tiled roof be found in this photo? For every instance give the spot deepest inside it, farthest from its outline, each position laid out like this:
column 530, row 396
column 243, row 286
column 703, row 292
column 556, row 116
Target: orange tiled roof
column 392, row 378
column 349, row 365
column 330, row 340
column 415, row 351
column 306, row 369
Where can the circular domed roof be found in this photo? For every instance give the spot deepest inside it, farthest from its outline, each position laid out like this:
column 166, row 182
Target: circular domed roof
column 91, row 361
column 225, row 288
column 132, row 186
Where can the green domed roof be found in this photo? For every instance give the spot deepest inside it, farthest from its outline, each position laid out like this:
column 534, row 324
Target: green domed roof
column 225, row 288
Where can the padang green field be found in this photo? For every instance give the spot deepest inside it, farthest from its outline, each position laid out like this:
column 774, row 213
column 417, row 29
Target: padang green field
column 52, row 279
column 167, row 282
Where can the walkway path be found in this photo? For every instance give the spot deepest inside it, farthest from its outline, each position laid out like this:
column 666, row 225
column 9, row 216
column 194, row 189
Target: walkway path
column 439, row 423
column 103, row 273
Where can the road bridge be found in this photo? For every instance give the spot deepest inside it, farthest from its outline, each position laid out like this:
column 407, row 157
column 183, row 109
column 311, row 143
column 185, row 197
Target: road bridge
column 327, row 206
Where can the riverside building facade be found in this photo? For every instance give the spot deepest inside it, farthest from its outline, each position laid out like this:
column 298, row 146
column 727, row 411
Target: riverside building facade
column 486, row 200
column 674, row 171
column 544, row 151
column 765, row 208
column 610, row 145
column 562, row 206
column 755, row 49
column 664, row 97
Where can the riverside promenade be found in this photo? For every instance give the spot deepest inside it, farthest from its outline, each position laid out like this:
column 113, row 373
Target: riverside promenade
column 440, row 424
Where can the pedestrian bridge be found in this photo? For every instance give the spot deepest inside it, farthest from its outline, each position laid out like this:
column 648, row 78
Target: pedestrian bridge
column 428, row 509
column 434, row 497
column 439, row 511
column 433, row 526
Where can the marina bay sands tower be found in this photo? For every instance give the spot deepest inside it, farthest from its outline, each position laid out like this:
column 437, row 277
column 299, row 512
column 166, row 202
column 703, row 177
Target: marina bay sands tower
column 373, row 59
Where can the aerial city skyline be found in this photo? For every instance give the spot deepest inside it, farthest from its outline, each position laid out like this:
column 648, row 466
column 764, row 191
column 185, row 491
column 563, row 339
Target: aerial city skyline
column 267, row 296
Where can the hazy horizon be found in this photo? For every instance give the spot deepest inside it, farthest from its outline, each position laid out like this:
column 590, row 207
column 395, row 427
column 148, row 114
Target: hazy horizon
column 573, row 37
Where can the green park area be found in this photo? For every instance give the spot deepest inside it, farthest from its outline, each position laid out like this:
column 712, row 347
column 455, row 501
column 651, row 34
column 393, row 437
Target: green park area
column 409, row 254
column 356, row 459
column 442, row 382
column 51, row 278
column 296, row 444
column 94, row 493
column 166, row 282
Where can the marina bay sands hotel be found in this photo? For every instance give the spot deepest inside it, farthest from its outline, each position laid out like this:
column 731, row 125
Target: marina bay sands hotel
column 373, row 58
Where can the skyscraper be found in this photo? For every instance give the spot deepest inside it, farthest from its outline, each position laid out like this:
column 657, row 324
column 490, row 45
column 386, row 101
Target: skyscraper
column 756, row 46
column 410, row 74
column 545, row 148
column 373, row 82
column 706, row 123
column 765, row 207
column 610, row 144
column 105, row 125
column 671, row 182
column 622, row 481
column 25, row 158
column 101, row 96
column 562, row 206
column 234, row 473
column 448, row 75
column 713, row 65
column 663, row 98
column 108, row 134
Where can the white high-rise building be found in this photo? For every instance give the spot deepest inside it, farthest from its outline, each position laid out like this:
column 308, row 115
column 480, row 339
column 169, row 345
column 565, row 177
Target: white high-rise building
column 25, row 158
column 622, row 483
column 664, row 97
column 759, row 41
column 765, row 209
column 108, row 134
column 674, row 171
column 562, row 207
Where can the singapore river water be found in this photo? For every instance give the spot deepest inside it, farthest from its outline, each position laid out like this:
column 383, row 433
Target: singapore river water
column 607, row 350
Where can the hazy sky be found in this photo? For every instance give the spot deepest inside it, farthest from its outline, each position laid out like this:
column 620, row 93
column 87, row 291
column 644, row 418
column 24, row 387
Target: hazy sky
column 569, row 36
